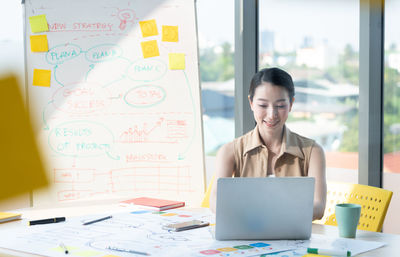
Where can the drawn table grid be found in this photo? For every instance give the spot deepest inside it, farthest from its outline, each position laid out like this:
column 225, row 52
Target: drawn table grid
column 82, row 183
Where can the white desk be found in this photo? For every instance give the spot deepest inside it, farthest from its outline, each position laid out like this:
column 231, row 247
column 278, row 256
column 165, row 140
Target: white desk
column 391, row 249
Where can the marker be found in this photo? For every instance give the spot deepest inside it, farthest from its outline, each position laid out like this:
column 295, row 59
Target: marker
column 64, row 247
column 94, row 221
column 126, row 250
column 328, row 252
column 46, row 221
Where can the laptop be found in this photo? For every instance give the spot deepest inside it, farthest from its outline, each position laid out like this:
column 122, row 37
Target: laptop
column 264, row 208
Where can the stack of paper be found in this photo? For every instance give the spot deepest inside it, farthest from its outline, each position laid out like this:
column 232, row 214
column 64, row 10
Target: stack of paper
column 7, row 216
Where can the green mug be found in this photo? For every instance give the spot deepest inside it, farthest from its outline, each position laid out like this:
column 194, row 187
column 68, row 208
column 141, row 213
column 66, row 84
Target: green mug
column 347, row 217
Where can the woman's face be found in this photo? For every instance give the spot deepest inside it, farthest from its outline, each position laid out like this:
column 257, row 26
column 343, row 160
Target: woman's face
column 270, row 106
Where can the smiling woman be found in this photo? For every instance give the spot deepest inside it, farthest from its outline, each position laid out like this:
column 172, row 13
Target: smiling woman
column 271, row 149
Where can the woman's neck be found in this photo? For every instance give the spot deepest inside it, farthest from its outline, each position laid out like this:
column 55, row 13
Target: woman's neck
column 272, row 139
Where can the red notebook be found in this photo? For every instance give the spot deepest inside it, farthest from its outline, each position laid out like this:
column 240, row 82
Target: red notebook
column 153, row 203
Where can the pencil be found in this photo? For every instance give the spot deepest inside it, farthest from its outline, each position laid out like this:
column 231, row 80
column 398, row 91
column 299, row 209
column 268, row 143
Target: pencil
column 62, row 245
column 97, row 220
column 126, row 250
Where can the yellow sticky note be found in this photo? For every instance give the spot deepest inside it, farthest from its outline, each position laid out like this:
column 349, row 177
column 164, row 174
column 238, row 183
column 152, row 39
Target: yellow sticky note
column 41, row 78
column 227, row 249
column 22, row 169
column 149, row 28
column 150, row 48
column 170, row 33
column 39, row 43
column 38, row 23
column 168, row 214
column 176, row 61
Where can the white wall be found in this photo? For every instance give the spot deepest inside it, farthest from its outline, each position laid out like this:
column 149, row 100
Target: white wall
column 392, row 222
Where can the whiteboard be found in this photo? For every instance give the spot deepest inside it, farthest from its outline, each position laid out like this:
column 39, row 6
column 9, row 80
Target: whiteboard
column 114, row 124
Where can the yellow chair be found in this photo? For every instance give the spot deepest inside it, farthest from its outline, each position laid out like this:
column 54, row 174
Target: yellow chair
column 374, row 203
column 206, row 199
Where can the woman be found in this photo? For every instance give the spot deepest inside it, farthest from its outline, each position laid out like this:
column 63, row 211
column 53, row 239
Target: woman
column 271, row 149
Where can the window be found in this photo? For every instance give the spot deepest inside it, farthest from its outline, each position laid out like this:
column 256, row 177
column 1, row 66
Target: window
column 317, row 42
column 11, row 39
column 391, row 115
column 216, row 53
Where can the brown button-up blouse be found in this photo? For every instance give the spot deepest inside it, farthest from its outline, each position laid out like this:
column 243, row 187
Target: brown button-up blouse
column 251, row 155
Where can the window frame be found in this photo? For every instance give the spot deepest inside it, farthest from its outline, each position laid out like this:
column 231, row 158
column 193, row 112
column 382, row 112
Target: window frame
column 371, row 67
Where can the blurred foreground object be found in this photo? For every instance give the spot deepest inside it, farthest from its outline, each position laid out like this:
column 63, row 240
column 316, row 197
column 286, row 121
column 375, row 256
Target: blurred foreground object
column 21, row 168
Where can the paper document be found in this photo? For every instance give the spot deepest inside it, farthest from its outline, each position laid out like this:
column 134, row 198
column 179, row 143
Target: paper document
column 140, row 232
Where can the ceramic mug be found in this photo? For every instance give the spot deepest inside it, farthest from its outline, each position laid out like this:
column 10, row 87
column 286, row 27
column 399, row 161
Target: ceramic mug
column 347, row 217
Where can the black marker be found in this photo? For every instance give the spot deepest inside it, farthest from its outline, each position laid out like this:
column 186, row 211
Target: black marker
column 46, row 221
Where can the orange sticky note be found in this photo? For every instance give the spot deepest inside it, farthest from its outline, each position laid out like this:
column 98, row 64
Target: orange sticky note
column 22, row 167
column 39, row 43
column 170, row 33
column 41, row 78
column 149, row 28
column 150, row 48
column 176, row 61
column 38, row 23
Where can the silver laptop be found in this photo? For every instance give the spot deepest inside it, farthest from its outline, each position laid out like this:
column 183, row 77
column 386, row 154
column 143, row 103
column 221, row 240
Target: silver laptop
column 264, row 208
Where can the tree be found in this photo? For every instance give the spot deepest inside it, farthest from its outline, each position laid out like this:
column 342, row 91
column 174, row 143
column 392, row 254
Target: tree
column 217, row 65
column 391, row 103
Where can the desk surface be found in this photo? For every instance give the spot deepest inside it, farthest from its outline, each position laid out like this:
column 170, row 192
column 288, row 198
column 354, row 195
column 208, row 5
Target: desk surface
column 391, row 249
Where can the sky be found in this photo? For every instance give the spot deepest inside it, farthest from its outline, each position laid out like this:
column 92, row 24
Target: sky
column 291, row 20
column 335, row 21
column 11, row 20
column 215, row 21
column 11, row 37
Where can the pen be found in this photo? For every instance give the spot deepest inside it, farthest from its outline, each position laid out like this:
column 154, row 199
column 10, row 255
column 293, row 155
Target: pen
column 329, row 252
column 94, row 221
column 46, row 221
column 126, row 250
column 64, row 247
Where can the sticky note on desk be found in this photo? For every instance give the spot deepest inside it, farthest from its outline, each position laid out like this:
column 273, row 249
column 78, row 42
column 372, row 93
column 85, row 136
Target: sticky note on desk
column 148, row 28
column 22, row 168
column 39, row 43
column 150, row 49
column 41, row 78
column 170, row 34
column 176, row 61
column 38, row 23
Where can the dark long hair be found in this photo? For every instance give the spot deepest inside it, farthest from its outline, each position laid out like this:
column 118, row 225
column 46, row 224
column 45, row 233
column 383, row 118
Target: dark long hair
column 275, row 76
